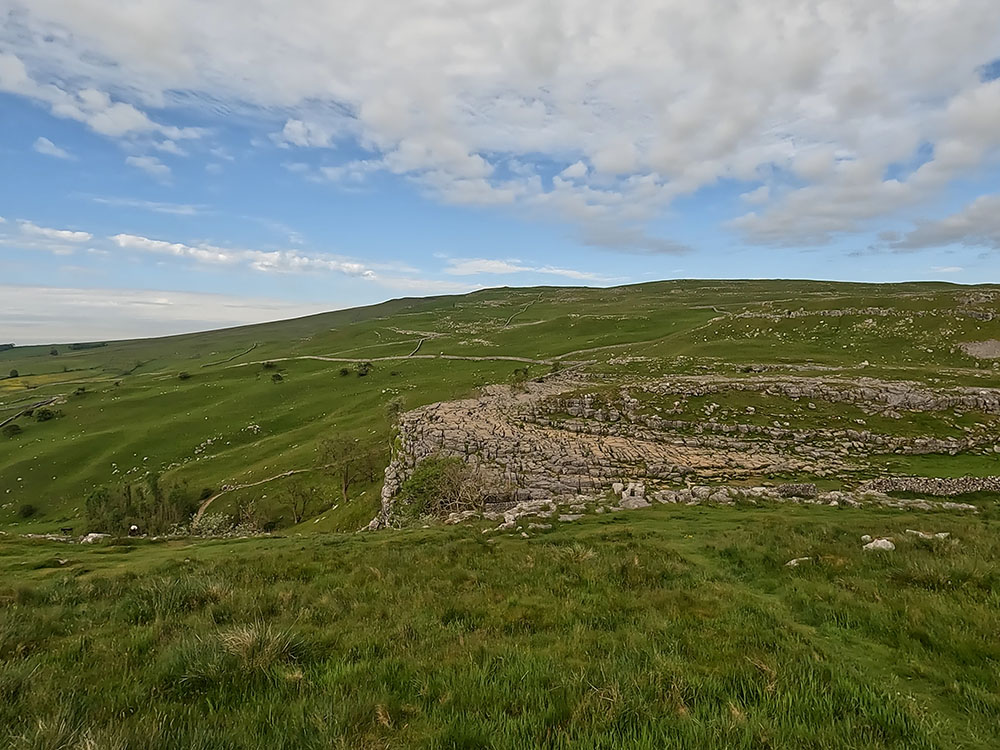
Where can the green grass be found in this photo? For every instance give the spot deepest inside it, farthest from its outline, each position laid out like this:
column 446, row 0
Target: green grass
column 674, row 627
column 136, row 415
column 670, row 627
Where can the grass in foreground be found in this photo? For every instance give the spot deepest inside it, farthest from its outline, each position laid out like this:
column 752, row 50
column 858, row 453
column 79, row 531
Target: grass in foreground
column 671, row 627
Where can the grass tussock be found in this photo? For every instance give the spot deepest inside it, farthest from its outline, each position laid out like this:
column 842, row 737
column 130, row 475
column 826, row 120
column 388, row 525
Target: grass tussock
column 672, row 627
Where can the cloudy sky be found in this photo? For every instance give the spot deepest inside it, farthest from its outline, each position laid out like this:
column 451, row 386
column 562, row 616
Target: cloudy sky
column 171, row 165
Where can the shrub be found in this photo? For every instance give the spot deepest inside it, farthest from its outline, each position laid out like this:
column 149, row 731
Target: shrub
column 363, row 368
column 206, row 492
column 344, row 372
column 11, row 430
column 394, row 407
column 183, row 375
column 269, row 365
column 54, row 352
column 27, row 510
column 80, row 391
column 154, row 508
column 276, row 377
column 45, row 414
column 13, row 374
column 439, row 486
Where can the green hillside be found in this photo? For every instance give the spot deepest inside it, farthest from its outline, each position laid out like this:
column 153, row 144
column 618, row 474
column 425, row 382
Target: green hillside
column 126, row 411
column 754, row 622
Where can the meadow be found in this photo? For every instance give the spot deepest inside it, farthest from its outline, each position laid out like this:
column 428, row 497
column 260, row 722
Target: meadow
column 669, row 626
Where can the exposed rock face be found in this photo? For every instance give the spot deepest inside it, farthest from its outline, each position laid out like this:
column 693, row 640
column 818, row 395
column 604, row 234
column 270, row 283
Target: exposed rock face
column 982, row 349
column 552, row 443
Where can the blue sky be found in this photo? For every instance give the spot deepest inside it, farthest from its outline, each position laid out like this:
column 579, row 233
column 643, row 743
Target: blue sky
column 171, row 167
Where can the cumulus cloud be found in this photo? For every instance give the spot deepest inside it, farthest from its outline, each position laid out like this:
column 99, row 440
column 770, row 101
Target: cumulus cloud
column 44, row 146
column 300, row 133
column 150, row 165
column 808, row 103
column 976, row 225
column 62, row 235
column 93, row 107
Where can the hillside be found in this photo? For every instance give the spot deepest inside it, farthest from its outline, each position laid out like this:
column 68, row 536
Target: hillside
column 747, row 514
column 206, row 410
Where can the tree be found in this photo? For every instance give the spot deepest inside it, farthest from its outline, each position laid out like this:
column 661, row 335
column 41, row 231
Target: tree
column 54, row 352
column 363, row 368
column 147, row 503
column 13, row 373
column 346, row 461
column 299, row 499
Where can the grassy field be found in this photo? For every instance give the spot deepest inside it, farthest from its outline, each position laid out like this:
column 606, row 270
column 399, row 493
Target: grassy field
column 127, row 412
column 667, row 627
column 671, row 626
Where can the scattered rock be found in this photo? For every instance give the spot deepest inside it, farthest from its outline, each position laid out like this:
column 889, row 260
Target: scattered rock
column 797, row 561
column 927, row 535
column 93, row 537
column 634, row 503
column 880, row 544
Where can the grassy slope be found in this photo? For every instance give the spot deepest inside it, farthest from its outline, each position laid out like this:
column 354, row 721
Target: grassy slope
column 670, row 627
column 667, row 627
column 153, row 421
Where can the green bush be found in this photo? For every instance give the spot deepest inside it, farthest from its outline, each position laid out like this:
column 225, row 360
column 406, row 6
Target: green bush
column 148, row 504
column 183, row 375
column 45, row 414
column 27, row 510
column 440, row 485
column 11, row 430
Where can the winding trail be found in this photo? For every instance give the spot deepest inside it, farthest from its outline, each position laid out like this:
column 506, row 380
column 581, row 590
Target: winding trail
column 232, row 488
column 397, row 357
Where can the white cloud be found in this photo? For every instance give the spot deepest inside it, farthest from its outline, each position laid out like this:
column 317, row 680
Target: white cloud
column 759, row 195
column 283, row 261
column 806, row 98
column 476, row 266
column 62, row 235
column 976, row 225
column 176, row 209
column 44, row 146
column 574, row 171
column 169, row 147
column 93, row 107
column 150, row 165
column 947, row 269
column 300, row 133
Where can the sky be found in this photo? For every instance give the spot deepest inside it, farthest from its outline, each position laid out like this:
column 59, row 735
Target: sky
column 177, row 165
